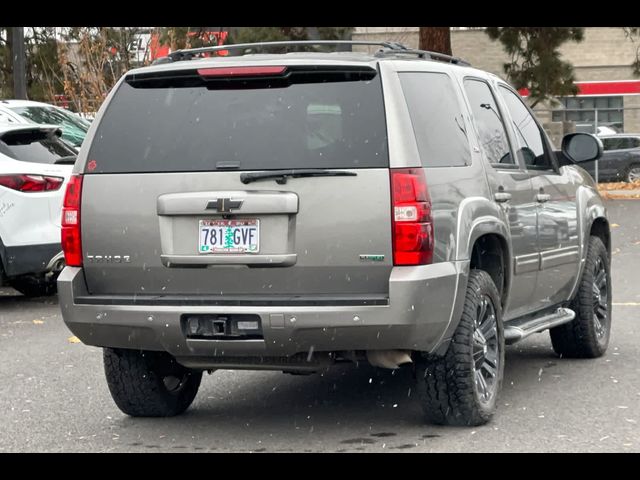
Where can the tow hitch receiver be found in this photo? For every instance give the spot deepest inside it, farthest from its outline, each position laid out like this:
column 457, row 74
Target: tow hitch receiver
column 221, row 327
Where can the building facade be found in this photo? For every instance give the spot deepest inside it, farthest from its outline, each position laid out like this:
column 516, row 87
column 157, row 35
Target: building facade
column 609, row 93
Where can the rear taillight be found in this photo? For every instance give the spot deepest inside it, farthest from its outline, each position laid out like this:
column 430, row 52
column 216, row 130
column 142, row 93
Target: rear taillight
column 412, row 224
column 31, row 183
column 71, row 244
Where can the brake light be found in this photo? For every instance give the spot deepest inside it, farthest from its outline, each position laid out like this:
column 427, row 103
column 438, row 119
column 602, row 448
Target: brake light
column 71, row 243
column 412, row 225
column 31, row 183
column 240, row 71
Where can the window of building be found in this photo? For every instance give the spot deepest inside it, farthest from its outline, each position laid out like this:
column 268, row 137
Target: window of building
column 582, row 111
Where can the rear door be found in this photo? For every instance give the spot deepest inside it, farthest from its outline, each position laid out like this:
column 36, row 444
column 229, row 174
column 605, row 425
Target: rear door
column 512, row 189
column 168, row 190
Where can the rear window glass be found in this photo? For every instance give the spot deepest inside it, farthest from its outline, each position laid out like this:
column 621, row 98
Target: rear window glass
column 74, row 128
column 436, row 118
column 34, row 147
column 326, row 124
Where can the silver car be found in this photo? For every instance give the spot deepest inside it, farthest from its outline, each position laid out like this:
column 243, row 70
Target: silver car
column 290, row 211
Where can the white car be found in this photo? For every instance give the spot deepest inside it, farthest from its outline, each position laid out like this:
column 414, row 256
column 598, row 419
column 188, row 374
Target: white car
column 606, row 131
column 74, row 128
column 35, row 166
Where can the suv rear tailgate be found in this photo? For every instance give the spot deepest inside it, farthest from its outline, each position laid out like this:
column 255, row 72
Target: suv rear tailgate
column 337, row 219
column 164, row 171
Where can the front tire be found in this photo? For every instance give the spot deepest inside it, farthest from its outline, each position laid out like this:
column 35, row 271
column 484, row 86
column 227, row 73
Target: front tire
column 149, row 384
column 461, row 388
column 587, row 336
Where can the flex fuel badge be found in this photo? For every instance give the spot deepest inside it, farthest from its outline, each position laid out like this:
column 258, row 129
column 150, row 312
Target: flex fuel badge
column 372, row 258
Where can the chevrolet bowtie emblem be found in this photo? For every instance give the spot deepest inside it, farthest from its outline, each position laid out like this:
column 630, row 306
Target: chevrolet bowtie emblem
column 224, row 205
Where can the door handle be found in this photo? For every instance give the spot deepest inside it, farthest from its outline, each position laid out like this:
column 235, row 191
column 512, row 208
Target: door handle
column 543, row 197
column 502, row 197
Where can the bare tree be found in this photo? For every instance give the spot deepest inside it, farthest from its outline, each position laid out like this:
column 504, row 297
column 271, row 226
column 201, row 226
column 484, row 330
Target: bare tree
column 435, row 39
column 92, row 60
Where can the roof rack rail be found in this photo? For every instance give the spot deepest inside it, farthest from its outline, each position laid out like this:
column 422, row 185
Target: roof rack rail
column 388, row 48
column 424, row 54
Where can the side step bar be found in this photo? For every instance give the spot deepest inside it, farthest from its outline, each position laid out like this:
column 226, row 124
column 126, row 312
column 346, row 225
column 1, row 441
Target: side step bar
column 520, row 329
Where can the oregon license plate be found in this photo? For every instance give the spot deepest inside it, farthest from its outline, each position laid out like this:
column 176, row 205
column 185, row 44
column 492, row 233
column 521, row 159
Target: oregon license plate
column 229, row 236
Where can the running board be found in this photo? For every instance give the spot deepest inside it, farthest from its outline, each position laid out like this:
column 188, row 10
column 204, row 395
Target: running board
column 522, row 328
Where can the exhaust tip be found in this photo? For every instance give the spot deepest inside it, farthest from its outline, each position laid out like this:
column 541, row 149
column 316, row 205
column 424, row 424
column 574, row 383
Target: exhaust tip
column 58, row 266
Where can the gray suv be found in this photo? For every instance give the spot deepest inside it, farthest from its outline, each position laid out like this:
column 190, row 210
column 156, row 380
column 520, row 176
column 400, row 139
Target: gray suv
column 291, row 211
column 620, row 159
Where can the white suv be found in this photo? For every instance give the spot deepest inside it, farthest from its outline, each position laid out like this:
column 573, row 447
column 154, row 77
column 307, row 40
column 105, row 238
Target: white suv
column 74, row 127
column 35, row 166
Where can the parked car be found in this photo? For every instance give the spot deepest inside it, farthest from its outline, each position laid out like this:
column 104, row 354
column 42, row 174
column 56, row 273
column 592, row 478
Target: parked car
column 35, row 166
column 287, row 212
column 604, row 130
column 74, row 128
column 620, row 161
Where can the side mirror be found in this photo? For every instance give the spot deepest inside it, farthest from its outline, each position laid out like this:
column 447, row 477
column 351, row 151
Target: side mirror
column 528, row 156
column 581, row 147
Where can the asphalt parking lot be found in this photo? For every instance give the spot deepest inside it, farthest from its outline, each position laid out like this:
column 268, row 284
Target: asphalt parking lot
column 55, row 398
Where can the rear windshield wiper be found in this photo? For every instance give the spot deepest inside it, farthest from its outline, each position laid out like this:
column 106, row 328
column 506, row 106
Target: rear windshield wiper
column 282, row 175
column 68, row 160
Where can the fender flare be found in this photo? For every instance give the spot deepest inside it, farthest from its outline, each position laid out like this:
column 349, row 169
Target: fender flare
column 589, row 202
column 470, row 229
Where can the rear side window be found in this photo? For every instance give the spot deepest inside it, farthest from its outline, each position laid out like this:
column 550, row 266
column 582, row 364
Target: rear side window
column 608, row 144
column 629, row 143
column 34, row 147
column 620, row 143
column 309, row 123
column 437, row 119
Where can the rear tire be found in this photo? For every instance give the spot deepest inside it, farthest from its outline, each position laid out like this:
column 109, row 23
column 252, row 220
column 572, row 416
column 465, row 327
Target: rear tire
column 461, row 388
column 149, row 384
column 587, row 336
column 633, row 173
column 35, row 286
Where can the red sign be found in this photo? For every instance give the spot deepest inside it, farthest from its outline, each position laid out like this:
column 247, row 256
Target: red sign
column 617, row 87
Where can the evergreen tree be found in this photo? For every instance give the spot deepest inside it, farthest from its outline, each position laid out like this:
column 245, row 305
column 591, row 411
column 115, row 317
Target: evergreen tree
column 535, row 61
column 44, row 77
column 228, row 238
column 633, row 33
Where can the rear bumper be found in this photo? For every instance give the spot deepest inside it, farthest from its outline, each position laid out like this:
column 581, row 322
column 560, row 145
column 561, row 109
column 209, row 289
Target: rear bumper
column 422, row 303
column 30, row 258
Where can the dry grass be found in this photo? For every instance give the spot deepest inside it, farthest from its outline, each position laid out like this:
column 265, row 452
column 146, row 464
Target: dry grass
column 632, row 188
column 619, row 186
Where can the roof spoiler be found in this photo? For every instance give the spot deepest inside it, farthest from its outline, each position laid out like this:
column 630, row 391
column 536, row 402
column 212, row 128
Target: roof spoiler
column 36, row 130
